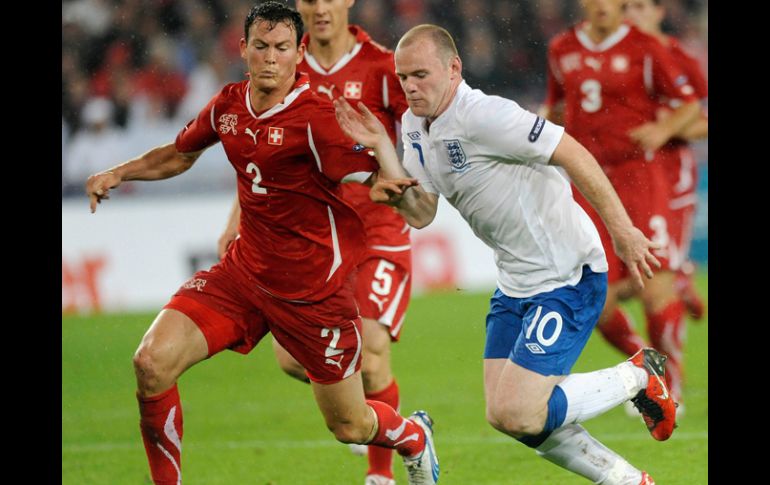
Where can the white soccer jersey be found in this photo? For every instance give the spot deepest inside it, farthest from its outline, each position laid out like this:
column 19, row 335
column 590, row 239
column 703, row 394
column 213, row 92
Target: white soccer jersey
column 489, row 158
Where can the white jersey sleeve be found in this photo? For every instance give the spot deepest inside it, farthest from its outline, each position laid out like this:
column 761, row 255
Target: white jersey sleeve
column 414, row 161
column 506, row 129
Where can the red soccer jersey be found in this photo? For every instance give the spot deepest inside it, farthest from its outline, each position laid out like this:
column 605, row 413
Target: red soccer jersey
column 298, row 239
column 612, row 87
column 367, row 74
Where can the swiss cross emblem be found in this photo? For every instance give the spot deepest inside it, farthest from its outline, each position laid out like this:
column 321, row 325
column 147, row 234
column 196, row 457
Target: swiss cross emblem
column 275, row 136
column 353, row 89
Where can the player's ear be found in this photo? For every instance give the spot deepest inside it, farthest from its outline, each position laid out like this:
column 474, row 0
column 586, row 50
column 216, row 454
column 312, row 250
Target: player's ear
column 300, row 53
column 242, row 46
column 455, row 67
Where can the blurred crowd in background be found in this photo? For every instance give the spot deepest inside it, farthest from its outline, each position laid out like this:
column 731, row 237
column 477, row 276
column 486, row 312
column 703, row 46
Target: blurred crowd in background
column 135, row 71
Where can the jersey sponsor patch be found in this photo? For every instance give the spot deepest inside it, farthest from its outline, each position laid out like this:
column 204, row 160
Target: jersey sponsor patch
column 537, row 128
column 275, row 136
column 456, row 155
column 413, row 135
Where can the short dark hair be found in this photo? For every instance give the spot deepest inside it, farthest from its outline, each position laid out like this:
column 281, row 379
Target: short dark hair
column 274, row 12
column 441, row 38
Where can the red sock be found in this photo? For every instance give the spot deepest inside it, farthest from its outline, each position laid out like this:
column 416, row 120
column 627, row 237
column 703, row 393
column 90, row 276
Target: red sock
column 666, row 329
column 161, row 425
column 395, row 431
column 381, row 459
column 620, row 334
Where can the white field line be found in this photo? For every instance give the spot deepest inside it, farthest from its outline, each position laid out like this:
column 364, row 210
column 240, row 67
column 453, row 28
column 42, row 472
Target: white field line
column 328, row 443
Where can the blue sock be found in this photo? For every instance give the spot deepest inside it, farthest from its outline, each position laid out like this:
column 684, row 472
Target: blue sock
column 557, row 411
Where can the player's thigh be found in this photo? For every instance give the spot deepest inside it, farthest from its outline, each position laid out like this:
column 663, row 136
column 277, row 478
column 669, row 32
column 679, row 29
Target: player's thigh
column 342, row 402
column 172, row 344
column 376, row 337
column 513, row 390
column 383, row 289
column 556, row 325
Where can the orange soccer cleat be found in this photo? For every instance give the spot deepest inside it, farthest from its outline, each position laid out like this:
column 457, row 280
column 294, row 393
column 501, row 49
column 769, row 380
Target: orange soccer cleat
column 655, row 402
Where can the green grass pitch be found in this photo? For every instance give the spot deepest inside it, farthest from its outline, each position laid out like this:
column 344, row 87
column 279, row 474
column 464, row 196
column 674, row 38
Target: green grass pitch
column 247, row 423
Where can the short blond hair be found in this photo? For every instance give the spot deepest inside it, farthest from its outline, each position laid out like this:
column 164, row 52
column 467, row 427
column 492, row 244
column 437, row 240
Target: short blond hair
column 439, row 36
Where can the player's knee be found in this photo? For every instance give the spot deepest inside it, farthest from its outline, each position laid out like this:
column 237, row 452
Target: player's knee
column 513, row 421
column 347, row 431
column 148, row 366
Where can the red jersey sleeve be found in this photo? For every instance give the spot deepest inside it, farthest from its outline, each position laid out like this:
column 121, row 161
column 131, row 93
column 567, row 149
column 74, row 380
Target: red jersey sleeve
column 668, row 78
column 199, row 133
column 336, row 155
column 691, row 68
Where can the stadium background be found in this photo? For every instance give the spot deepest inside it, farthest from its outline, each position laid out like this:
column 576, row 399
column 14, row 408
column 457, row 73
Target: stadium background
column 133, row 72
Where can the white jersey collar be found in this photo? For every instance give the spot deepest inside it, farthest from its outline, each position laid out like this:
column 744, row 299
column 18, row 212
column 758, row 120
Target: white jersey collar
column 314, row 65
column 280, row 106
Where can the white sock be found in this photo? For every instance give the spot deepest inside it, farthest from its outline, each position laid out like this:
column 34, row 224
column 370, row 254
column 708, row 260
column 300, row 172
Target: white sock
column 572, row 448
column 593, row 393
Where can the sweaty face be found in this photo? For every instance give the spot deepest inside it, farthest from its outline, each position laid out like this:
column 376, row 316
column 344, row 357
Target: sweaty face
column 271, row 54
column 603, row 14
column 644, row 14
column 324, row 19
column 424, row 75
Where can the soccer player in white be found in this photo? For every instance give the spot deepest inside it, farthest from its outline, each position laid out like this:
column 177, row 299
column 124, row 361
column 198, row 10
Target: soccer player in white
column 497, row 164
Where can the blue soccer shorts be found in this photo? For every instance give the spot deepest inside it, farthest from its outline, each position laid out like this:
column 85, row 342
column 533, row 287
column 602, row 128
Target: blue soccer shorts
column 546, row 333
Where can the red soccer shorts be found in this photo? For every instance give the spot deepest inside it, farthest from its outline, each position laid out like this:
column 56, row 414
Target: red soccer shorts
column 383, row 289
column 324, row 336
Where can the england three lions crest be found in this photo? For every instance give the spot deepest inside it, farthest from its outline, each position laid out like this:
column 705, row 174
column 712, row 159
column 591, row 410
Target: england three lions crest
column 456, row 155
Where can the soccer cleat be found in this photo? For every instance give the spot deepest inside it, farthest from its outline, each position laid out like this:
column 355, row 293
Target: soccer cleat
column 378, row 480
column 358, row 450
column 655, row 403
column 646, row 479
column 423, row 469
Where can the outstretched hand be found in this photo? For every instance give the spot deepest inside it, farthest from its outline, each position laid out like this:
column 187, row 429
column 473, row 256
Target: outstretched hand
column 390, row 192
column 98, row 187
column 363, row 127
column 634, row 249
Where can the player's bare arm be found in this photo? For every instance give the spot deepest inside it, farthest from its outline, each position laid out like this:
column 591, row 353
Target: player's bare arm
column 630, row 243
column 417, row 206
column 157, row 164
column 652, row 136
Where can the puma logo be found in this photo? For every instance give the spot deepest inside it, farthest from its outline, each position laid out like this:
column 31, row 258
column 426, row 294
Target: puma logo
column 253, row 134
column 338, row 363
column 380, row 303
column 327, row 91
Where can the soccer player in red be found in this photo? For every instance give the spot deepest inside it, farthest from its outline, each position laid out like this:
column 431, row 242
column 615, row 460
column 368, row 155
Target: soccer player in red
column 342, row 60
column 289, row 272
column 610, row 77
column 680, row 166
